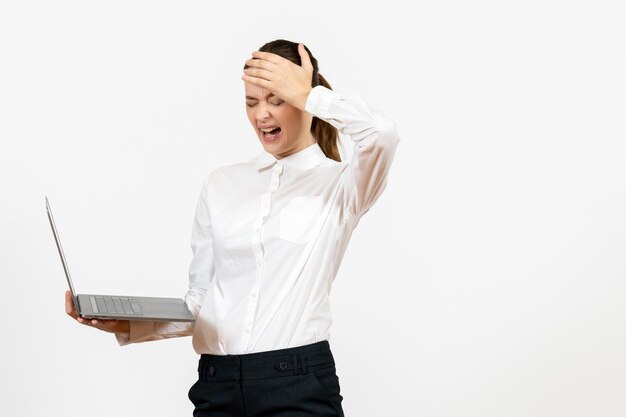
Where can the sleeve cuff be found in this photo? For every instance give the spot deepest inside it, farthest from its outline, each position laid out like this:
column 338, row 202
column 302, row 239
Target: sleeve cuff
column 122, row 338
column 139, row 332
column 318, row 101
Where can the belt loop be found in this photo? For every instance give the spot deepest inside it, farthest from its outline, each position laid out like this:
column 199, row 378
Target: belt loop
column 201, row 370
column 305, row 366
column 297, row 369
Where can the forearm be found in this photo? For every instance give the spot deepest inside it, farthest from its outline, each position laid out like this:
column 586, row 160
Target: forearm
column 375, row 139
column 145, row 331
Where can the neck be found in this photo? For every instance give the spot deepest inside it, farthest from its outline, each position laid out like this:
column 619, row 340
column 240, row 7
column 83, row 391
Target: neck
column 310, row 140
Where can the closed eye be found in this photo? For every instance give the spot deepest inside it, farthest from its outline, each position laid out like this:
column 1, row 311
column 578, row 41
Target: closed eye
column 275, row 104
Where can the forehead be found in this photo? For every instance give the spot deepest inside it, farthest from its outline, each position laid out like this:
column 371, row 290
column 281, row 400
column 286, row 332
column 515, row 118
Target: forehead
column 255, row 91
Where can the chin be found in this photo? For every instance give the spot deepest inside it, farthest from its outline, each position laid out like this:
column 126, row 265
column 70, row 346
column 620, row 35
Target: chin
column 272, row 145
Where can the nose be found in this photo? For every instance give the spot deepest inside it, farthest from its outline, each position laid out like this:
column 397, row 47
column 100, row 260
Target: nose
column 261, row 112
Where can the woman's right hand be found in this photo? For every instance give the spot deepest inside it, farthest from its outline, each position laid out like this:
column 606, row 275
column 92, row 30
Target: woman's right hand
column 111, row 326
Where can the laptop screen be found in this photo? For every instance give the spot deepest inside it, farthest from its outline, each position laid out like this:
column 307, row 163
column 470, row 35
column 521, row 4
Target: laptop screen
column 58, row 242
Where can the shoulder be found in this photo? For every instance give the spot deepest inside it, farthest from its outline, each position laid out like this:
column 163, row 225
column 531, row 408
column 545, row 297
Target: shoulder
column 231, row 173
column 331, row 163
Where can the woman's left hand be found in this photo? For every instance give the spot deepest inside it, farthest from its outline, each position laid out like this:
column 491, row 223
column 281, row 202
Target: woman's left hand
column 288, row 81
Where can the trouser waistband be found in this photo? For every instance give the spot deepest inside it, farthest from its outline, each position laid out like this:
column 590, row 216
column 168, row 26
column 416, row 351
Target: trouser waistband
column 290, row 361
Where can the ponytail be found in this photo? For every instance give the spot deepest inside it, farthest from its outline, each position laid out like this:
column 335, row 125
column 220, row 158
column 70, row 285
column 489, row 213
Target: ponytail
column 326, row 135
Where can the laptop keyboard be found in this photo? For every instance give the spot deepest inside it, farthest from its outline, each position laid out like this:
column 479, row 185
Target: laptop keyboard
column 103, row 304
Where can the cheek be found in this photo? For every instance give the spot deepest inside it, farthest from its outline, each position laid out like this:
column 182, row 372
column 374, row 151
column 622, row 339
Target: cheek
column 288, row 119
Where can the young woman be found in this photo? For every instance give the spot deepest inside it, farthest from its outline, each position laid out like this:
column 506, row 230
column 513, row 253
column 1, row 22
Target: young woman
column 268, row 238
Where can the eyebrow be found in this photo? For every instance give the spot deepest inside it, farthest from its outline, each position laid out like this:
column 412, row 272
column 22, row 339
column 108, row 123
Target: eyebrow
column 254, row 98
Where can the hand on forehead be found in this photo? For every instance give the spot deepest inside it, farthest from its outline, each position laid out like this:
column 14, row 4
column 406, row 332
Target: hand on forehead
column 271, row 73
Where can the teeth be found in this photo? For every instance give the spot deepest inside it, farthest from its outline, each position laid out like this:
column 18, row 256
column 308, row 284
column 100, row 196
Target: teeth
column 269, row 129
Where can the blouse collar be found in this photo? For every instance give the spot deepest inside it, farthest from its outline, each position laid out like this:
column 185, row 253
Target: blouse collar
column 304, row 159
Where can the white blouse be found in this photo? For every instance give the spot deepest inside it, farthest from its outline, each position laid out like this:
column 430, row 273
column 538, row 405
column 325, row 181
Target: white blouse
column 269, row 236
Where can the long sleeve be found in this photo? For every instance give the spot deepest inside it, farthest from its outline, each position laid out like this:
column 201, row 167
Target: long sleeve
column 201, row 272
column 375, row 140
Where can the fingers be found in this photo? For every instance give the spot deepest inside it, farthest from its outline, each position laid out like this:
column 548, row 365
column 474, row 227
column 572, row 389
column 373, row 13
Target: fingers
column 257, row 81
column 259, row 73
column 71, row 310
column 69, row 305
column 260, row 63
column 267, row 59
column 277, row 59
column 111, row 326
column 267, row 56
column 304, row 56
column 106, row 325
column 289, row 81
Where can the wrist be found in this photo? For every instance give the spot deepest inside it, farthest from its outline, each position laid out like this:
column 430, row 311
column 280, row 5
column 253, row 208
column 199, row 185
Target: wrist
column 303, row 98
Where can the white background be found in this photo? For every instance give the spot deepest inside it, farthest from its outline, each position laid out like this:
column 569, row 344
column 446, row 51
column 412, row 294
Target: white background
column 488, row 280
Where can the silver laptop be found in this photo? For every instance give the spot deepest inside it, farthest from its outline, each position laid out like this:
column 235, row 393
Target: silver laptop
column 118, row 306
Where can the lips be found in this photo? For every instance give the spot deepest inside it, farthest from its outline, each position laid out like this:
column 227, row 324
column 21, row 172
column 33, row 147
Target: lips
column 273, row 136
column 268, row 127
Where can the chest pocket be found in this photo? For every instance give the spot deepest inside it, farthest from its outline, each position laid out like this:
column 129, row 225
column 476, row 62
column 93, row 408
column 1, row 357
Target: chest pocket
column 299, row 221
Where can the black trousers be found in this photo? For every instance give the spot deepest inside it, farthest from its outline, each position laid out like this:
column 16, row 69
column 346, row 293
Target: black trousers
column 293, row 382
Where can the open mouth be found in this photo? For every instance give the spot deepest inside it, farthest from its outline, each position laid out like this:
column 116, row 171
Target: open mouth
column 271, row 133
